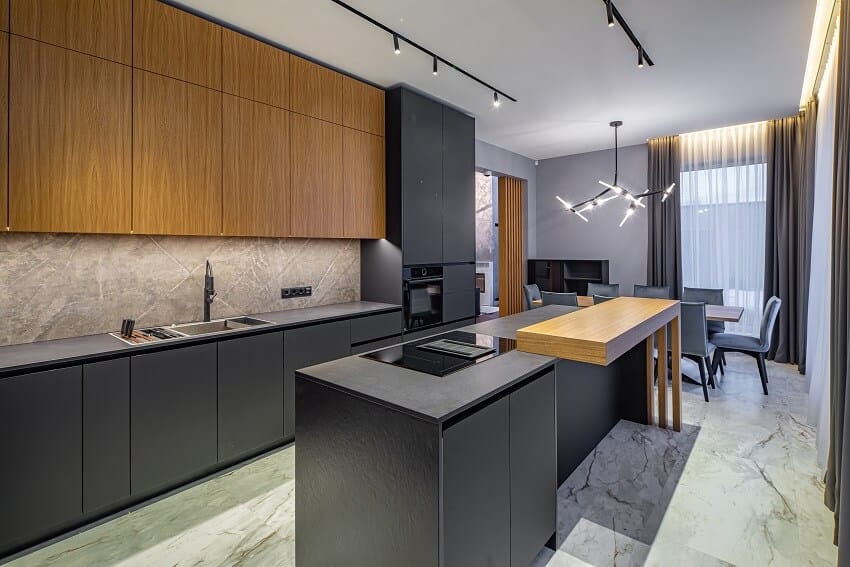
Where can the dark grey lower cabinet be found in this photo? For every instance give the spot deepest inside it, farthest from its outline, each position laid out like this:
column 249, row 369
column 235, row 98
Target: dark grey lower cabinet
column 477, row 488
column 458, row 292
column 41, row 470
column 173, row 417
column 106, row 435
column 250, row 395
column 305, row 347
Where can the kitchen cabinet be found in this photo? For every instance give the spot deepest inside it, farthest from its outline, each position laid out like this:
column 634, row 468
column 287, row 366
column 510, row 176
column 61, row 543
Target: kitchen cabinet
column 70, row 126
column 176, row 157
column 364, row 189
column 362, row 106
column 4, row 15
column 173, row 400
column 106, row 435
column 175, row 43
column 374, row 327
column 256, row 169
column 103, row 28
column 305, row 347
column 316, row 90
column 458, row 187
column 254, row 70
column 317, row 178
column 250, row 395
column 41, row 475
column 458, row 292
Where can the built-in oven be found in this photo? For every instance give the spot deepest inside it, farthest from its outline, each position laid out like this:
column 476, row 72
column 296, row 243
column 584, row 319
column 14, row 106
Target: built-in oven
column 423, row 297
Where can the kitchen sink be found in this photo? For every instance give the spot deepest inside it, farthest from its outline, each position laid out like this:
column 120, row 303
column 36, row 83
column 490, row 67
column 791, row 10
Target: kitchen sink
column 222, row 325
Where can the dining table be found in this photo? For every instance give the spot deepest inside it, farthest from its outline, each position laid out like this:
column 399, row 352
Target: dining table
column 724, row 313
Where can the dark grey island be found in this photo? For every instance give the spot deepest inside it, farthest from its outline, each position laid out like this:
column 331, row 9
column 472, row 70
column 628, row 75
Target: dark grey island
column 414, row 456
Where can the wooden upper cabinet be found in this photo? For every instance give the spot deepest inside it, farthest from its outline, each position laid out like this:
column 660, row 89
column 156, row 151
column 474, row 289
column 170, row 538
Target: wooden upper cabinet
column 255, row 169
column 317, row 174
column 70, row 129
column 362, row 106
column 4, row 15
column 175, row 43
column 176, row 157
column 98, row 27
column 364, row 185
column 316, row 90
column 254, row 70
column 4, row 127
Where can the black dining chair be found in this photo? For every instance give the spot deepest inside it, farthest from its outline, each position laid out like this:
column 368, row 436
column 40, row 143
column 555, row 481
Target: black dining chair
column 709, row 296
column 597, row 299
column 756, row 347
column 653, row 292
column 553, row 298
column 694, row 342
column 532, row 293
column 608, row 290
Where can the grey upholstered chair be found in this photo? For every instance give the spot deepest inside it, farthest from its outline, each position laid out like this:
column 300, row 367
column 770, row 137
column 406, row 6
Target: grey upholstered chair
column 709, row 296
column 695, row 345
column 552, row 298
column 532, row 293
column 655, row 292
column 608, row 290
column 597, row 299
column 756, row 347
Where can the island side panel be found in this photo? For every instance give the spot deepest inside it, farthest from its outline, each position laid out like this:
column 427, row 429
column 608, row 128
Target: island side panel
column 366, row 482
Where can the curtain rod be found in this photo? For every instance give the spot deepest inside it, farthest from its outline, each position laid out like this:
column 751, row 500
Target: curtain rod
column 826, row 48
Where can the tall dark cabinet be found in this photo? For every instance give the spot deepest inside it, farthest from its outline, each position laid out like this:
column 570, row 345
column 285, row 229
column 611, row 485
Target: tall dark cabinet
column 458, row 187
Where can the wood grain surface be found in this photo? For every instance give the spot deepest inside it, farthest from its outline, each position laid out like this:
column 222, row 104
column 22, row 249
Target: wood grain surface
column 316, row 90
column 254, row 70
column 364, row 185
column 362, row 106
column 511, row 245
column 317, row 178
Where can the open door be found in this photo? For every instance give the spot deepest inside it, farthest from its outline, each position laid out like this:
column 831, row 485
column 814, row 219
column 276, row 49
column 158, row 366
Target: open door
column 511, row 245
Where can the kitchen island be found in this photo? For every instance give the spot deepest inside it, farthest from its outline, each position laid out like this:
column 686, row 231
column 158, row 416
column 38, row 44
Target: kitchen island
column 407, row 460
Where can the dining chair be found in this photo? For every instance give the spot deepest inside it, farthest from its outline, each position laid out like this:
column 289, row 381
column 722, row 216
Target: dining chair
column 597, row 299
column 608, row 290
column 694, row 342
column 553, row 298
column 532, row 293
column 654, row 292
column 756, row 347
column 709, row 296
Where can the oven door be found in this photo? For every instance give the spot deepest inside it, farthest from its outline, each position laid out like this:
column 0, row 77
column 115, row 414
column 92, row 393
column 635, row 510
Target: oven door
column 423, row 303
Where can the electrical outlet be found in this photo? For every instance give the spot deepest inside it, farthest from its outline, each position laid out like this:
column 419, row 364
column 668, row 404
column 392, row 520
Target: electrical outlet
column 300, row 291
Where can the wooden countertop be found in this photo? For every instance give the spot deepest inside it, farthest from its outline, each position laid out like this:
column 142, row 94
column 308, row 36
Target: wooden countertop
column 599, row 334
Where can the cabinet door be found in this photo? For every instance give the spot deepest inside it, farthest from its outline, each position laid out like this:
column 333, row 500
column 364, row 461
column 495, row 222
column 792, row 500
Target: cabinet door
column 176, row 157
column 316, row 90
column 534, row 487
column 97, row 27
column 305, row 347
column 317, row 178
column 362, row 106
column 477, row 489
column 4, row 129
column 250, row 395
column 364, row 185
column 106, row 434
column 421, row 180
column 458, row 187
column 256, row 169
column 458, row 292
column 254, row 70
column 173, row 398
column 175, row 43
column 70, row 127
column 40, row 441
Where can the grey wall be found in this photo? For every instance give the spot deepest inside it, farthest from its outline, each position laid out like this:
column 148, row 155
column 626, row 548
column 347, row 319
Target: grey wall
column 564, row 236
column 63, row 285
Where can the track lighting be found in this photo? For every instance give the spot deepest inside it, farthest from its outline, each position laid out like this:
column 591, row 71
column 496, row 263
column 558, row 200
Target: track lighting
column 395, row 43
column 496, row 102
column 640, row 57
column 609, row 8
column 435, row 66
column 614, row 16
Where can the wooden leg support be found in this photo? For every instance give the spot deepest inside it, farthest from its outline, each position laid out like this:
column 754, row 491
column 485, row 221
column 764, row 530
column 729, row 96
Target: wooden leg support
column 677, row 374
column 650, row 375
column 661, row 340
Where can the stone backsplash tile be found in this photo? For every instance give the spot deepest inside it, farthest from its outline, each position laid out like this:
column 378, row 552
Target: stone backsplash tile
column 64, row 285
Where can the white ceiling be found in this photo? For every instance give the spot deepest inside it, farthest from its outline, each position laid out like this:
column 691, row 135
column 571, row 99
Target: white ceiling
column 718, row 62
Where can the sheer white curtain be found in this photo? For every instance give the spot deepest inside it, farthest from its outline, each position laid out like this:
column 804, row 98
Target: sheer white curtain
column 723, row 193
column 817, row 350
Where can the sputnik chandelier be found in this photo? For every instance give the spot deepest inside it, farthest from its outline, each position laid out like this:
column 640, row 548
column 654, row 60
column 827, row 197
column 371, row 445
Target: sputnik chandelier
column 635, row 200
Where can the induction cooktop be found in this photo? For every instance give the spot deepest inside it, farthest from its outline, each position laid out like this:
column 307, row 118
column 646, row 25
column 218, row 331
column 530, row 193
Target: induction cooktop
column 444, row 354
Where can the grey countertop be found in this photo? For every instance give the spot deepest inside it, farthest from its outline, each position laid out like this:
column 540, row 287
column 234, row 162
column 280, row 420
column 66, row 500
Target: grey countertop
column 28, row 357
column 435, row 398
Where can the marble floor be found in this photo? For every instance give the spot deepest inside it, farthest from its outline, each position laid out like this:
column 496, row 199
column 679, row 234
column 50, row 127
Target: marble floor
column 738, row 486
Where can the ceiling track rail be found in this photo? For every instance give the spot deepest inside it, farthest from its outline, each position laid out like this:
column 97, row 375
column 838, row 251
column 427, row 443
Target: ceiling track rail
column 629, row 33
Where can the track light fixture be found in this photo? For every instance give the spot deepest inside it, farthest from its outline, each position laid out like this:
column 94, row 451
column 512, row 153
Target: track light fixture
column 397, row 38
column 640, row 57
column 496, row 102
column 609, row 8
column 614, row 15
column 615, row 190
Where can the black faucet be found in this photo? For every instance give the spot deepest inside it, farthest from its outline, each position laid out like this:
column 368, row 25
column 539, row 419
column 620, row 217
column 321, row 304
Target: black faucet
column 209, row 291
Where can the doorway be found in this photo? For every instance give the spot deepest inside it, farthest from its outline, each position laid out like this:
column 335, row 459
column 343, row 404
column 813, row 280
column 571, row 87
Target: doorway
column 487, row 243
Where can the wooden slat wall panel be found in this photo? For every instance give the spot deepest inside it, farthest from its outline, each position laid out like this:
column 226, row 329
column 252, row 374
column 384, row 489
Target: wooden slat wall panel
column 254, row 70
column 4, row 128
column 511, row 245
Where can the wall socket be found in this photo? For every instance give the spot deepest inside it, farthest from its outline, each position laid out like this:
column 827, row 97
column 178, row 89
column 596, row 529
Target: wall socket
column 302, row 291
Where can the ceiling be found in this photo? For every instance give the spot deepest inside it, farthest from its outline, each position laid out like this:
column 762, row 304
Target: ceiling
column 717, row 63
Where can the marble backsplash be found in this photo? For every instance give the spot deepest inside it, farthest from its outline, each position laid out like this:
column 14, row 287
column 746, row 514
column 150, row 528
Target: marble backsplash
column 64, row 285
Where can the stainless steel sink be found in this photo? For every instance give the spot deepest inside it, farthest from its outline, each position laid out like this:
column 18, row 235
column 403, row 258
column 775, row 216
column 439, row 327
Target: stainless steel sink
column 220, row 326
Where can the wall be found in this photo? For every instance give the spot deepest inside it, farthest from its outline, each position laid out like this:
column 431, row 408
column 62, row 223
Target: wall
column 564, row 236
column 62, row 285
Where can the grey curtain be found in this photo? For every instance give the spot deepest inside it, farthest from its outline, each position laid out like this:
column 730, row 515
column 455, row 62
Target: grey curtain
column 788, row 224
column 664, row 261
column 838, row 468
